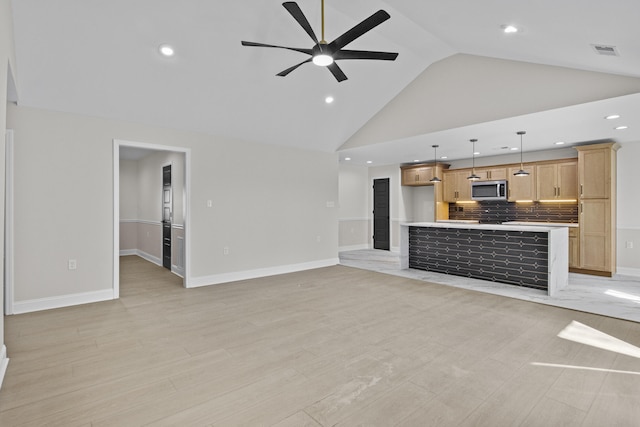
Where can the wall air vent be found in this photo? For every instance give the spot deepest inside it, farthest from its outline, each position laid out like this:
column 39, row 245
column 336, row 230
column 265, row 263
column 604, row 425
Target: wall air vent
column 602, row 49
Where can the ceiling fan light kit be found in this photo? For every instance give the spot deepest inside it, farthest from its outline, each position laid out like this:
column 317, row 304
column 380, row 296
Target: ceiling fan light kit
column 326, row 54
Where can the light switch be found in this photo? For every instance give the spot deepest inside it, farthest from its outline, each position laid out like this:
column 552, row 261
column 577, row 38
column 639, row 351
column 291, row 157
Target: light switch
column 209, row 203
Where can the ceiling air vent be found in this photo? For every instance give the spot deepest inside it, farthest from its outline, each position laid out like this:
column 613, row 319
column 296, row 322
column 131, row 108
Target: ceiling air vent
column 602, row 49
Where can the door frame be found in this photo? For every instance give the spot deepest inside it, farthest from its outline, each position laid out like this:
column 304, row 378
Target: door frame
column 117, row 143
column 8, row 224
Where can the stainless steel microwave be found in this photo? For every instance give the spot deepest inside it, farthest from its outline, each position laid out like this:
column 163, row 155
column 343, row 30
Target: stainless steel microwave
column 489, row 190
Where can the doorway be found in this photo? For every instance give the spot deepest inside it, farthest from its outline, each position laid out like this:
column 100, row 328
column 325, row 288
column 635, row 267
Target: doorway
column 184, row 183
column 381, row 238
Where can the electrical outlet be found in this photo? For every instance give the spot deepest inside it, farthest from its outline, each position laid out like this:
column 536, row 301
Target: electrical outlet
column 225, row 250
column 73, row 264
column 209, row 203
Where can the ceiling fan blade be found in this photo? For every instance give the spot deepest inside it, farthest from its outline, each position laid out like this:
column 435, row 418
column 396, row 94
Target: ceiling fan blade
column 368, row 24
column 295, row 11
column 364, row 54
column 307, row 51
column 337, row 72
column 290, row 69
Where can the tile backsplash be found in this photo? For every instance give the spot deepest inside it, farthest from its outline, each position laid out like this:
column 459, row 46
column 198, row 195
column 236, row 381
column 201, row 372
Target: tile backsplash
column 502, row 211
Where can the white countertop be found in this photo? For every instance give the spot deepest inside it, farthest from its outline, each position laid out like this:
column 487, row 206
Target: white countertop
column 510, row 227
column 544, row 224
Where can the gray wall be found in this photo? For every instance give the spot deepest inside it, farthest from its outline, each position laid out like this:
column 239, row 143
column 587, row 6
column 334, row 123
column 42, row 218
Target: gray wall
column 271, row 204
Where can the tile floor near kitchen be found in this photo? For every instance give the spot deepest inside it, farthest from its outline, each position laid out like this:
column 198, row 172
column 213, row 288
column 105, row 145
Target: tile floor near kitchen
column 617, row 297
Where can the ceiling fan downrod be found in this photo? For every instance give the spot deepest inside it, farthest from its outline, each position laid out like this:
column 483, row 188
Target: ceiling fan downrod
column 322, row 40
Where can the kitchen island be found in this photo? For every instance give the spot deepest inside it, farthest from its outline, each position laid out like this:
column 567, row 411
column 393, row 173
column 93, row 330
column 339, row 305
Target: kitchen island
column 529, row 256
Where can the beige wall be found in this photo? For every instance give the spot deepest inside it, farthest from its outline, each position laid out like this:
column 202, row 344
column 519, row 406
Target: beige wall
column 128, row 235
column 271, row 204
column 128, row 189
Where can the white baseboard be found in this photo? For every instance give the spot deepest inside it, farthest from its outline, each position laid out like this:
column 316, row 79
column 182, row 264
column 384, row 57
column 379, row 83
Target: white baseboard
column 624, row 271
column 177, row 270
column 141, row 254
column 216, row 279
column 149, row 257
column 4, row 363
column 61, row 301
column 354, row 247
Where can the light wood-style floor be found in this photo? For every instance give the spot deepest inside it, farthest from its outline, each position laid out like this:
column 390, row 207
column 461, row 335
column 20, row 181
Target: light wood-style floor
column 333, row 346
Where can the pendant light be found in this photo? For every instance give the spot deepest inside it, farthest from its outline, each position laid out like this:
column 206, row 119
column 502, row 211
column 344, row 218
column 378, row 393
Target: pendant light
column 521, row 172
column 435, row 178
column 473, row 176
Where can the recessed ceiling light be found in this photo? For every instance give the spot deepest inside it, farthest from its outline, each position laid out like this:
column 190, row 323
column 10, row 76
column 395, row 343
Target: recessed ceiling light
column 560, row 143
column 329, row 99
column 621, row 127
column 166, row 50
column 509, row 29
column 347, row 158
column 513, row 148
column 416, row 161
column 476, row 153
column 443, row 157
column 612, row 116
column 369, row 161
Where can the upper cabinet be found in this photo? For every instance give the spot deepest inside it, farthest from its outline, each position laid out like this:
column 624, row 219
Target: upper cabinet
column 557, row 181
column 492, row 174
column 420, row 174
column 595, row 171
column 457, row 188
column 522, row 187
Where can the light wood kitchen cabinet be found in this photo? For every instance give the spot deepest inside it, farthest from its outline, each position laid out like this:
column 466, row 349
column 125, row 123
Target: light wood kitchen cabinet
column 457, row 188
column 595, row 235
column 557, row 181
column 597, row 207
column 522, row 187
column 574, row 247
column 595, row 173
column 420, row 174
column 491, row 174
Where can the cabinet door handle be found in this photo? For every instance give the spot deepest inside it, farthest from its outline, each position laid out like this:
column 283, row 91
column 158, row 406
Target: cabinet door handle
column 581, row 208
column 581, row 189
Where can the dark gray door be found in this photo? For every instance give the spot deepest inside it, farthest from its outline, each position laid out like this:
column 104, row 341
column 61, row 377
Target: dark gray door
column 167, row 209
column 381, row 238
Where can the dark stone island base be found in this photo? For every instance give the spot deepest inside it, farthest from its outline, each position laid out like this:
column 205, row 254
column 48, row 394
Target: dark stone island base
column 531, row 257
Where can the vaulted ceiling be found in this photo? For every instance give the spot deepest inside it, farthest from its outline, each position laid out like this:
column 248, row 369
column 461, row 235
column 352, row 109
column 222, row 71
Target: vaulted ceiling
column 102, row 59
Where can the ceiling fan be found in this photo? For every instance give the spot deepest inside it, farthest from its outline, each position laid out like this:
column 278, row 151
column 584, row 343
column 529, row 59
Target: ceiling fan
column 326, row 54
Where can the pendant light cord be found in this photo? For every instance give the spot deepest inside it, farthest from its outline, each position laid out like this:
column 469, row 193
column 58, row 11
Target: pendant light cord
column 521, row 164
